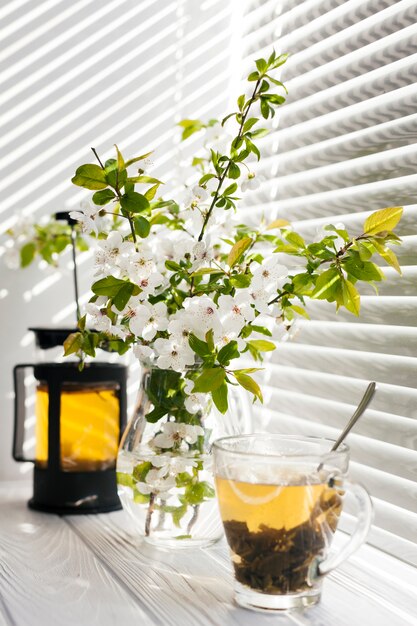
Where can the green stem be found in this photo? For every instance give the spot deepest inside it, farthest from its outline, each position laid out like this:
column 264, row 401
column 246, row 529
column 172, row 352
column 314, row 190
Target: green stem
column 223, row 176
column 119, row 195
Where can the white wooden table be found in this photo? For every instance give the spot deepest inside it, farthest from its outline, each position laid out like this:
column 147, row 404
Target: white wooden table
column 92, row 570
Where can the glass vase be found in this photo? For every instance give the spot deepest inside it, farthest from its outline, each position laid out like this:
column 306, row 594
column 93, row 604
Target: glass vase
column 164, row 466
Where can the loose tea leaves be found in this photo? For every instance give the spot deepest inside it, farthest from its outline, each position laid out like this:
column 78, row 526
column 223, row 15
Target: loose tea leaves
column 278, row 560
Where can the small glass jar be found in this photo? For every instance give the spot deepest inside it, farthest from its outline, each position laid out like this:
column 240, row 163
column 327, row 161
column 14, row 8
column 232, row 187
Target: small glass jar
column 164, row 466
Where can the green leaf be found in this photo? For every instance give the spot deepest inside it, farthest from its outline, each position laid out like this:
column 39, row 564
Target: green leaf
column 261, row 132
column 140, row 471
column 278, row 224
column 196, row 493
column 108, row 286
column 173, row 266
column 280, row 60
column 351, row 298
column 238, row 250
column 362, row 270
column 140, row 498
column 300, row 311
column 178, row 513
column 209, row 337
column 240, row 281
column 228, row 352
column 142, row 226
column 90, row 176
column 73, row 343
column 103, row 197
column 219, row 396
column 199, row 346
column 230, row 189
column 204, row 270
column 241, row 102
column 262, row 345
column 120, row 291
column 145, row 179
column 261, row 65
column 364, row 250
column 253, row 77
column 249, row 123
column 261, row 329
column 139, row 158
column 90, row 343
column 120, row 160
column 115, row 178
column 134, row 202
column 190, row 127
column 183, row 479
column 388, row 255
column 248, row 383
column 327, row 285
column 123, row 295
column 125, row 479
column 151, row 193
column 234, row 170
column 209, row 380
column 264, row 108
column 156, row 414
column 295, row 239
column 27, row 254
column 385, row 219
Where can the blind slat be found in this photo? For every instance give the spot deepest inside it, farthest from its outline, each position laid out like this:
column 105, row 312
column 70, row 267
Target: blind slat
column 382, row 426
column 397, row 400
column 343, row 146
column 400, row 340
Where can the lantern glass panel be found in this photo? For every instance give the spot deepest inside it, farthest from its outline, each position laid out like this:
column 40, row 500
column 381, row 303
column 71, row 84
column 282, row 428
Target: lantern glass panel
column 89, row 426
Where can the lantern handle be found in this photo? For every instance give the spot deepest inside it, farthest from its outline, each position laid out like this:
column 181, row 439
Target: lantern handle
column 20, row 411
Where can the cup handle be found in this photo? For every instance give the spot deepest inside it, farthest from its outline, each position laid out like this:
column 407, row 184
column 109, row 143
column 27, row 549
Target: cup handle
column 320, row 568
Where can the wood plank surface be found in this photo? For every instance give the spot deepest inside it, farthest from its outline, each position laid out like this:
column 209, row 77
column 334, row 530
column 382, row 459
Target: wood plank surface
column 48, row 577
column 94, row 570
column 195, row 588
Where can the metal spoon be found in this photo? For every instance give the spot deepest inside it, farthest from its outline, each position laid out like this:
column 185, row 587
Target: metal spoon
column 367, row 397
column 363, row 404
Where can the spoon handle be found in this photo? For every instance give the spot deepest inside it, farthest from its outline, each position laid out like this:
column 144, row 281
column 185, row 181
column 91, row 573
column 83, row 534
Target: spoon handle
column 367, row 397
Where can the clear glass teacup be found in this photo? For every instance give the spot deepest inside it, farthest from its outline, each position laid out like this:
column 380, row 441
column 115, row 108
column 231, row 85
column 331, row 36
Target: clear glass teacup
column 280, row 499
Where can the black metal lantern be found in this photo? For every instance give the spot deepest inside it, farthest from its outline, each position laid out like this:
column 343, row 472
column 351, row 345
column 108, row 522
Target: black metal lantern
column 79, row 418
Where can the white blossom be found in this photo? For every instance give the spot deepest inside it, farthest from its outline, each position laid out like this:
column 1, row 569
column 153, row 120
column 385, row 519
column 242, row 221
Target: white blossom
column 269, row 275
column 173, row 355
column 143, row 353
column 110, row 253
column 175, row 433
column 86, row 216
column 170, row 463
column 195, row 196
column 139, row 265
column 201, row 254
column 216, row 137
column 155, row 483
column 99, row 319
column 259, row 298
column 194, row 402
column 180, row 326
column 12, row 257
column 235, row 311
column 204, row 315
column 251, row 182
column 149, row 285
column 148, row 319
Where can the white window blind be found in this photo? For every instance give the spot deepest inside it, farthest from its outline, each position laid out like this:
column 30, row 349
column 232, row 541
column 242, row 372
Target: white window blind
column 344, row 145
